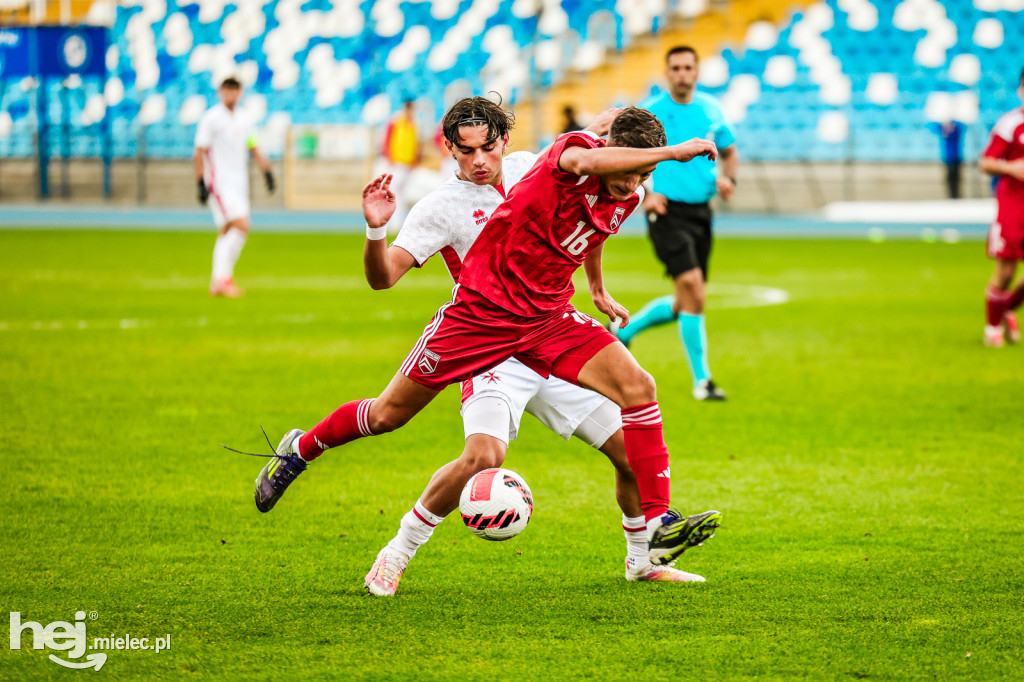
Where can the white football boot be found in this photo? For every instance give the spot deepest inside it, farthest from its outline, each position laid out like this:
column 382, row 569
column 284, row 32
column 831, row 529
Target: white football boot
column 995, row 337
column 383, row 578
column 1012, row 327
column 652, row 573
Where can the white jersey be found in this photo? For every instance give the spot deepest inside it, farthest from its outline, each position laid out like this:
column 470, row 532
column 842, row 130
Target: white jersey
column 450, row 218
column 225, row 137
column 448, row 221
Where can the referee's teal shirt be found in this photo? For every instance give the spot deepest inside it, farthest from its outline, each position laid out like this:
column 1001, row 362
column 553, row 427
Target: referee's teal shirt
column 692, row 182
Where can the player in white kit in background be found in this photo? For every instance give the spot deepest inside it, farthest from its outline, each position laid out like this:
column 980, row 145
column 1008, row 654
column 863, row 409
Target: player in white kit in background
column 447, row 221
column 225, row 137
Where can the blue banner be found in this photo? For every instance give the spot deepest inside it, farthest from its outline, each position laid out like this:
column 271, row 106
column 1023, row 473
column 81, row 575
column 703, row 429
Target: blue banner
column 53, row 51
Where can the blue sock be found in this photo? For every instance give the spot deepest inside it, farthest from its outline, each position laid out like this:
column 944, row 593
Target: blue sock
column 694, row 336
column 654, row 314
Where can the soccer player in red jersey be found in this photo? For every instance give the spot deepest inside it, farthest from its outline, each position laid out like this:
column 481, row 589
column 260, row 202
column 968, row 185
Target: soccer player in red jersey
column 512, row 300
column 446, row 222
column 1004, row 158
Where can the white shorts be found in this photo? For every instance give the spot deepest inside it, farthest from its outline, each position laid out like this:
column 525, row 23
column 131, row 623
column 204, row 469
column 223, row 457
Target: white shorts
column 559, row 405
column 227, row 205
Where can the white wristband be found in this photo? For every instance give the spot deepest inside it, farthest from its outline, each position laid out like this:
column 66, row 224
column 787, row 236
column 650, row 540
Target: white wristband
column 376, row 233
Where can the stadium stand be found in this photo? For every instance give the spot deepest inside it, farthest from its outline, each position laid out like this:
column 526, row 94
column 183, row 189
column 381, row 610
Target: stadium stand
column 834, row 80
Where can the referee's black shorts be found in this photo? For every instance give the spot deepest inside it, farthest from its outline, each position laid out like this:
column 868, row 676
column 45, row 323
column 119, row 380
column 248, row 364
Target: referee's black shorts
column 682, row 237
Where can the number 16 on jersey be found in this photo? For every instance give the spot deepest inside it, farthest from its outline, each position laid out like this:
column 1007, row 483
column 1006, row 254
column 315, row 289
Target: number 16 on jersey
column 576, row 243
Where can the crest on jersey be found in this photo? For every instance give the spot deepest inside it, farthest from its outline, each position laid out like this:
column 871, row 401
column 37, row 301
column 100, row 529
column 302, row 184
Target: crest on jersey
column 428, row 361
column 617, row 217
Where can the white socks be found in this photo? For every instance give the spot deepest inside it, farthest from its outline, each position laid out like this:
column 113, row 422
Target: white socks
column 220, row 258
column 635, row 530
column 226, row 251
column 417, row 527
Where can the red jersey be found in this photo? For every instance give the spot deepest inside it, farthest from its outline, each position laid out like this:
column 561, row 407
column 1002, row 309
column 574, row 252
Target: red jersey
column 1007, row 142
column 524, row 258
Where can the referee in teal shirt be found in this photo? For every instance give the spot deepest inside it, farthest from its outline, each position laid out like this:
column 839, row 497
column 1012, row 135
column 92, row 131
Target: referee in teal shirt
column 679, row 214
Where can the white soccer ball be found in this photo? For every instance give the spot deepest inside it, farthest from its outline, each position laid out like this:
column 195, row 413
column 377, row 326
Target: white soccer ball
column 496, row 504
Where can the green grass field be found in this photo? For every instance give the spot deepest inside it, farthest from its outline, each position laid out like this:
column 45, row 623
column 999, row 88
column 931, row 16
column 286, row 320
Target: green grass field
column 868, row 464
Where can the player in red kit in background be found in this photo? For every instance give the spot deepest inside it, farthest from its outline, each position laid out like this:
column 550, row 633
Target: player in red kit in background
column 512, row 299
column 1004, row 158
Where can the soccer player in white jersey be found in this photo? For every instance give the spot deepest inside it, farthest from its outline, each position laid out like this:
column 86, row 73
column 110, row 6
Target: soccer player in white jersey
column 225, row 138
column 447, row 221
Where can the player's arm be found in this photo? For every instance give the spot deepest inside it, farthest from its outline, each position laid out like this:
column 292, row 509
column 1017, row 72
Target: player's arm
column 997, row 166
column 264, row 163
column 603, row 301
column 382, row 265
column 611, row 160
column 203, row 192
column 203, row 142
column 728, row 165
column 993, row 158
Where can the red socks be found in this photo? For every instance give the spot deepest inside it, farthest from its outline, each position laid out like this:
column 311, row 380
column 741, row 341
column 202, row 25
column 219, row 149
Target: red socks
column 1016, row 298
column 648, row 456
column 347, row 423
column 997, row 302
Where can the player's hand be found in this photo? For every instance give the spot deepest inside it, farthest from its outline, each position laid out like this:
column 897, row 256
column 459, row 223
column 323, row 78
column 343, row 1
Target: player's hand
column 725, row 187
column 203, row 192
column 268, row 178
column 607, row 305
column 378, row 201
column 655, row 203
column 603, row 122
column 691, row 149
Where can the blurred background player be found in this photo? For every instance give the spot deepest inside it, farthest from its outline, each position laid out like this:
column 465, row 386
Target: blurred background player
column 224, row 134
column 951, row 150
column 401, row 151
column 679, row 213
column 569, row 122
column 1004, row 158
column 449, row 166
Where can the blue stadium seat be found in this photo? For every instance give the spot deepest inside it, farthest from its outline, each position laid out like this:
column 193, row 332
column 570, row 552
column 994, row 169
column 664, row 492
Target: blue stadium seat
column 790, row 113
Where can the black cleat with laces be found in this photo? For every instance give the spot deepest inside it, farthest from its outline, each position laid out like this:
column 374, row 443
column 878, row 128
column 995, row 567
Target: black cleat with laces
column 678, row 533
column 283, row 468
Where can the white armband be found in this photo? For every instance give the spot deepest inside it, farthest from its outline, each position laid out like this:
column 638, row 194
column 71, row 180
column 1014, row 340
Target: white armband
column 376, row 233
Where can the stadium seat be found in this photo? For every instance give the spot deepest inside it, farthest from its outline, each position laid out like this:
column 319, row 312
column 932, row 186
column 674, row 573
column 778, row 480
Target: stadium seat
column 329, row 60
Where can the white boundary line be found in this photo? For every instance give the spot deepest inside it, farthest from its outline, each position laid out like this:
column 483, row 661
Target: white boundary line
column 723, row 297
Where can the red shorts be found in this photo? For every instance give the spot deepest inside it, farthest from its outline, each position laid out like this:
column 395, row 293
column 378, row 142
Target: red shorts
column 1006, row 235
column 470, row 334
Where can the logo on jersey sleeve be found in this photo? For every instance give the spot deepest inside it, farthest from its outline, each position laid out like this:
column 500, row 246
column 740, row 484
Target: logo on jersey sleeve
column 591, row 199
column 620, row 212
column 428, row 361
column 480, row 216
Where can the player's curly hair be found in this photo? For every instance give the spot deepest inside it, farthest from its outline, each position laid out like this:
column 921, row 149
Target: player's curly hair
column 477, row 111
column 634, row 127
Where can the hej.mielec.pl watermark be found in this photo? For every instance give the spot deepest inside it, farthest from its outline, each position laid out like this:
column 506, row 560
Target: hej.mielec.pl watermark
column 72, row 638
